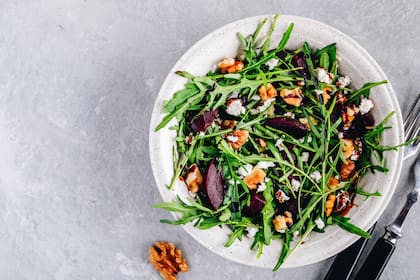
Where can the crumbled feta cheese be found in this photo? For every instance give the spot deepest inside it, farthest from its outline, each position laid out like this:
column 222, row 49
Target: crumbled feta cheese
column 261, row 187
column 231, row 182
column 192, row 195
column 235, row 108
column 265, row 164
column 344, row 81
column 295, row 184
column 340, row 135
column 232, row 138
column 309, row 139
column 330, row 158
column 318, row 91
column 279, row 144
column 295, row 234
column 319, row 223
column 301, row 140
column 290, row 115
column 263, row 107
column 323, row 76
column 365, row 105
column 281, row 196
column 256, row 97
column 244, row 170
column 315, row 175
column 234, row 94
column 202, row 133
column 272, row 63
column 251, row 231
column 304, row 157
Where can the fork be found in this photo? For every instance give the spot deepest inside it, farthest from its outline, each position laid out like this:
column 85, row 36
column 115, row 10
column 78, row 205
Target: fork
column 382, row 251
column 345, row 262
column 411, row 129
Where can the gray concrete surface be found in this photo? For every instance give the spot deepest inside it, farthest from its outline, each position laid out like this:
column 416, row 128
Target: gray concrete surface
column 78, row 80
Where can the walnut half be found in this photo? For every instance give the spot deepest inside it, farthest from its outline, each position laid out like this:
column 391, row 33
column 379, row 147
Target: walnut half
column 167, row 259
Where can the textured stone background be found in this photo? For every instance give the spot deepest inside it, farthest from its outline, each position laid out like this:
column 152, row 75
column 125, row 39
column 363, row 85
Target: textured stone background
column 78, row 80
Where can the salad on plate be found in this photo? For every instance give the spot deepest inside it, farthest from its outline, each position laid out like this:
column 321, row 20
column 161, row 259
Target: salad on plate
column 272, row 143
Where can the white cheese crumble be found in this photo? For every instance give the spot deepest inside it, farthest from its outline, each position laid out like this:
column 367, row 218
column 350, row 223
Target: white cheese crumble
column 279, row 144
column 256, row 97
column 234, row 94
column 318, row 91
column 202, row 133
column 281, row 196
column 192, row 195
column 265, row 164
column 231, row 182
column 261, row 187
column 365, row 105
column 272, row 63
column 319, row 223
column 251, row 231
column 235, row 108
column 290, row 115
column 323, row 76
column 295, row 234
column 315, row 175
column 263, row 107
column 304, row 157
column 232, row 138
column 244, row 170
column 344, row 81
column 295, row 184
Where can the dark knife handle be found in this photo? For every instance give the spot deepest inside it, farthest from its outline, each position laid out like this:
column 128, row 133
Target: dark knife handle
column 344, row 262
column 376, row 261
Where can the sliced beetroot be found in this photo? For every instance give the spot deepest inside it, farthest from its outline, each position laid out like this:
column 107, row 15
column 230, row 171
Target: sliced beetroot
column 291, row 205
column 213, row 190
column 256, row 205
column 204, row 121
column 291, row 126
column 299, row 60
column 358, row 126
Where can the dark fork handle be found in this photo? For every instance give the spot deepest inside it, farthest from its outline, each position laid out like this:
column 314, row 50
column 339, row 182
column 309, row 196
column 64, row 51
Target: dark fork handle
column 378, row 258
column 344, row 262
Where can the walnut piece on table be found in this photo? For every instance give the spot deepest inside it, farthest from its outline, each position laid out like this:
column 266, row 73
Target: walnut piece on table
column 167, row 259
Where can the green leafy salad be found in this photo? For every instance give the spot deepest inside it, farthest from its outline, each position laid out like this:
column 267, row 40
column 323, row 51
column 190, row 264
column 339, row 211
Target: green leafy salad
column 272, row 143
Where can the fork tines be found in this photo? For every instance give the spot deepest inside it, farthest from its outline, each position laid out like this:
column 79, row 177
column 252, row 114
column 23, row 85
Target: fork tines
column 411, row 122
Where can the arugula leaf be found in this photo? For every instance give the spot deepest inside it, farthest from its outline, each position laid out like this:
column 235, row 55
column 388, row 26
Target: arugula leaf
column 180, row 97
column 364, row 91
column 285, row 38
column 367, row 194
column 344, row 223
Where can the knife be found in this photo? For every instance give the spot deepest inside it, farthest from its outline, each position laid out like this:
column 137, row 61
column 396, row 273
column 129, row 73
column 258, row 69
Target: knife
column 345, row 262
column 382, row 251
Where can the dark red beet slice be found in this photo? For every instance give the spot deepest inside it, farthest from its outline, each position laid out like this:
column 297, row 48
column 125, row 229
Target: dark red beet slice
column 214, row 185
column 256, row 205
column 299, row 60
column 204, row 121
column 291, row 126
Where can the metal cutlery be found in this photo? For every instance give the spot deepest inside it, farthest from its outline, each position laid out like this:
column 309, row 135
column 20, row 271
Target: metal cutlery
column 382, row 251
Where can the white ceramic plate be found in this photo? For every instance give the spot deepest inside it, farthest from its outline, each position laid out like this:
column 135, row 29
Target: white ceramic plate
column 355, row 62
